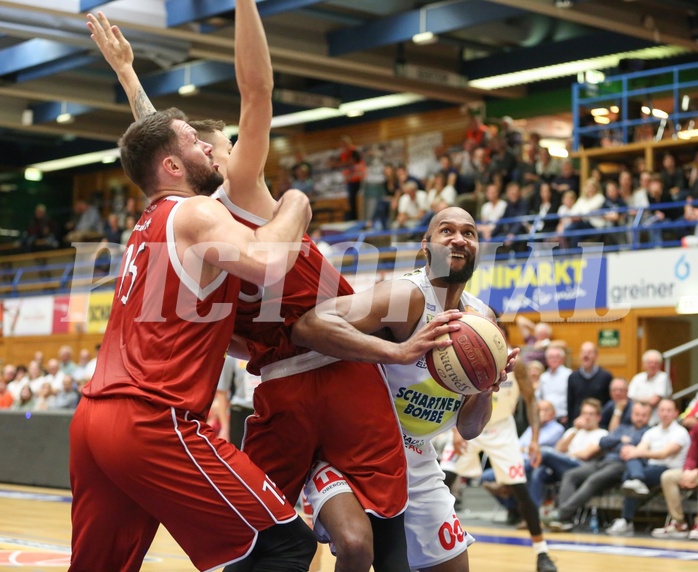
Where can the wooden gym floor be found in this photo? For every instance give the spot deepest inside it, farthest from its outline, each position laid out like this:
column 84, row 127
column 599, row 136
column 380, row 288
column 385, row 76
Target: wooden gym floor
column 35, row 535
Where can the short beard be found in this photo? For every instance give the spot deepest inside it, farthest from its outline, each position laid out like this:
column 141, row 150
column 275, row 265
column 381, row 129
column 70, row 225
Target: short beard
column 443, row 270
column 203, row 181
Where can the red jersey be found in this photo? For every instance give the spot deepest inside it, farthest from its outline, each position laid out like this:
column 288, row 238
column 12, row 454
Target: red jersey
column 167, row 337
column 311, row 281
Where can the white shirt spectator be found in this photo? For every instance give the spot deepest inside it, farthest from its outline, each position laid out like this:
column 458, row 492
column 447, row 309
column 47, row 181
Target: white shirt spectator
column 492, row 212
column 447, row 195
column 585, row 205
column 658, row 437
column 553, row 387
column 413, row 208
column 582, row 439
column 642, row 389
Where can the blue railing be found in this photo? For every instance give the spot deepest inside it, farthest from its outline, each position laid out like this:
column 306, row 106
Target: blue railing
column 676, row 82
column 385, row 250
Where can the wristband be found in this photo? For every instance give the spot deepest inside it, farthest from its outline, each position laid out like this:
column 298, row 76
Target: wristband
column 617, row 411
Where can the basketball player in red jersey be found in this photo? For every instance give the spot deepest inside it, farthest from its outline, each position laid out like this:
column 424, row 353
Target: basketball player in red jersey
column 141, row 453
column 309, row 406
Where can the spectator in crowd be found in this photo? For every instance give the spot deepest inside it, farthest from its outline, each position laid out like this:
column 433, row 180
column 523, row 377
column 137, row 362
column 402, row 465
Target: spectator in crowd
column 526, row 168
column 673, row 481
column 640, row 196
column 45, row 398
column 301, row 179
column 491, row 211
column 689, row 416
column 39, row 359
column 543, row 206
column 112, row 230
column 411, row 207
column 613, row 217
column 128, row 230
column 9, row 372
column 537, row 337
column 130, row 209
column 25, row 401
column 581, row 483
column 511, row 136
column 502, row 166
column 374, row 183
column 579, row 444
column 554, row 381
column 516, row 207
column 655, row 214
column 567, row 180
column 692, row 177
column 549, row 434
column 86, row 223
column 625, row 187
column 354, row 171
column 569, row 198
column 6, row 398
column 471, row 166
column 662, row 447
column 65, row 359
column 54, row 374
column 386, row 206
column 448, row 170
column 67, row 396
column 42, row 232
column 35, row 376
column 619, row 408
column 474, row 129
column 18, row 381
column 591, row 200
column 83, row 372
column 673, row 179
column 652, row 384
column 439, row 197
column 589, row 380
column 548, row 168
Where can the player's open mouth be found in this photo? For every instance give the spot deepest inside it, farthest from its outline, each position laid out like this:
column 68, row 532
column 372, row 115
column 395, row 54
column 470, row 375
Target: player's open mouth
column 458, row 255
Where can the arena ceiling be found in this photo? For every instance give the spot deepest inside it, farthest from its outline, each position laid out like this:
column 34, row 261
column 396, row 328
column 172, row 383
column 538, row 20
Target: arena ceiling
column 329, row 54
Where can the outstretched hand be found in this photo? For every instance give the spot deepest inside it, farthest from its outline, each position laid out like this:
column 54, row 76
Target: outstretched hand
column 425, row 339
column 110, row 41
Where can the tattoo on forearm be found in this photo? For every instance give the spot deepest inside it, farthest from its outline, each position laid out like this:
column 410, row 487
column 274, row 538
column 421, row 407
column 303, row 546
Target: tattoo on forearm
column 141, row 104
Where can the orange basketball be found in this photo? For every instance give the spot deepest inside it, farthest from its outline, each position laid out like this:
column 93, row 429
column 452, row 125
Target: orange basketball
column 475, row 359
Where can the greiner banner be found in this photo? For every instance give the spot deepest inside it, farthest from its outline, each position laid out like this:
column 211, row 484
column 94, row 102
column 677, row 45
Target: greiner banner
column 652, row 278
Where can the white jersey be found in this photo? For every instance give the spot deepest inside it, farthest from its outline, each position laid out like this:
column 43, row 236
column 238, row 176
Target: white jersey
column 424, row 407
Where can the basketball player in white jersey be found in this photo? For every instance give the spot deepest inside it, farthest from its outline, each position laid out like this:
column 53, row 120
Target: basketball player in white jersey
column 394, row 323
column 499, row 440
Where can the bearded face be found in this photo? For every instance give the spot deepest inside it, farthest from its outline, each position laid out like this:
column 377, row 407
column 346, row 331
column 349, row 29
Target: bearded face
column 451, row 265
column 202, row 177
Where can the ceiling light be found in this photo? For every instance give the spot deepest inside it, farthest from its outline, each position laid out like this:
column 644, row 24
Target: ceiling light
column 602, row 119
column 688, row 134
column 64, row 116
column 425, row 38
column 614, row 109
column 355, row 112
column 109, row 159
column 187, row 88
column 655, row 112
column 33, row 174
column 599, row 111
column 572, row 68
column 365, row 105
column 75, row 161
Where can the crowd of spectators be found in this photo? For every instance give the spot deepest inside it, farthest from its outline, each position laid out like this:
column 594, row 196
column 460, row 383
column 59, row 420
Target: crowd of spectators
column 47, row 385
column 86, row 224
column 500, row 173
column 600, row 434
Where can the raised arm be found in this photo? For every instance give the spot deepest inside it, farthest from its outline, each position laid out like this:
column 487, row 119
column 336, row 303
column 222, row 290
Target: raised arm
column 246, row 186
column 204, row 228
column 372, row 326
column 117, row 51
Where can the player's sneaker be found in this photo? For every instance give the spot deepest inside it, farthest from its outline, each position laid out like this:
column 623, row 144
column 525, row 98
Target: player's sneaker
column 621, row 527
column 673, row 530
column 544, row 563
column 693, row 535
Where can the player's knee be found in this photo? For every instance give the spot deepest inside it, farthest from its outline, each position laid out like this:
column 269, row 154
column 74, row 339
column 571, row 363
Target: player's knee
column 354, row 547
